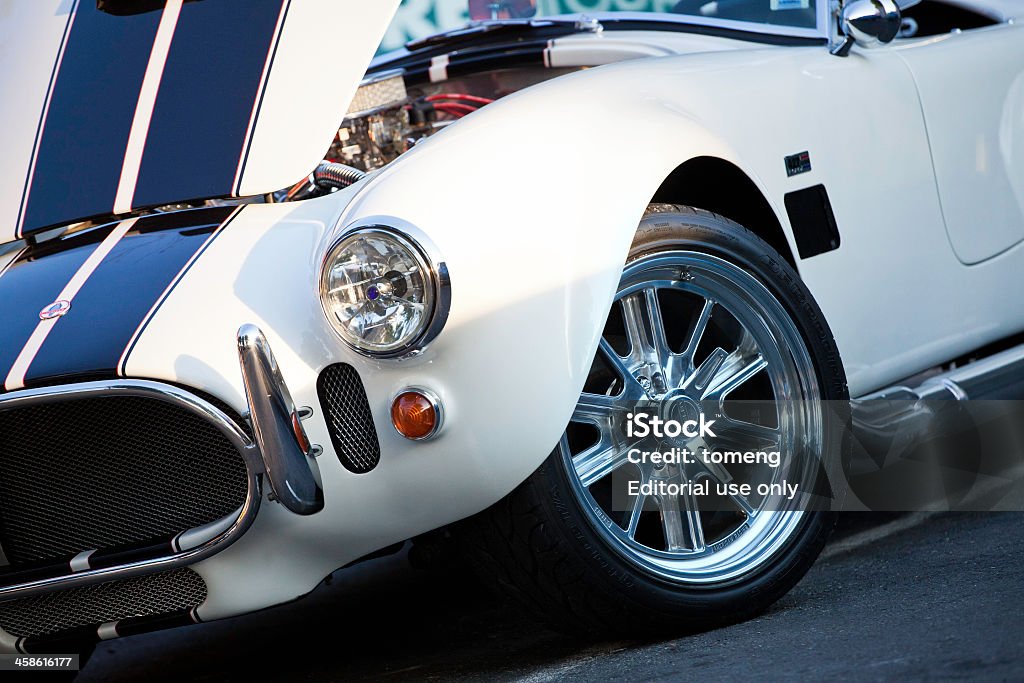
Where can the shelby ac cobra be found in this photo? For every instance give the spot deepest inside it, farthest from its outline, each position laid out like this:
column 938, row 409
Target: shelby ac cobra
column 270, row 304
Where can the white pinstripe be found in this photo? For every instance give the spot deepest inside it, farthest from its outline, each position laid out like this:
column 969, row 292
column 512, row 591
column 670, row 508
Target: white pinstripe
column 144, row 108
column 42, row 121
column 251, row 130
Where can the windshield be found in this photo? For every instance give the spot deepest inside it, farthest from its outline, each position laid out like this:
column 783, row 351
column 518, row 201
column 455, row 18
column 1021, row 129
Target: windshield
column 420, row 18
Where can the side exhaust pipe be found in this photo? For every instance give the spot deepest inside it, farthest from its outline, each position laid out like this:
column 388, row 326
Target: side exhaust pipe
column 997, row 377
column 890, row 423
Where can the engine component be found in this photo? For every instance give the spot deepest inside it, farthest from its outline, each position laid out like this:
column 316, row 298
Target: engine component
column 329, row 174
column 373, row 133
column 373, row 141
column 381, row 91
column 385, row 120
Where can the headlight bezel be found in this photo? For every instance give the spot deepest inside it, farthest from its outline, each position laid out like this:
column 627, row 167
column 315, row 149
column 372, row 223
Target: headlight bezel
column 436, row 281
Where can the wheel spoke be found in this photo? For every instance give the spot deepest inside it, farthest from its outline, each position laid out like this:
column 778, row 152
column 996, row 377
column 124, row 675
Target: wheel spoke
column 675, row 366
column 596, row 408
column 733, row 372
column 659, row 341
column 649, row 353
column 672, row 523
column 718, row 472
column 681, row 524
column 730, row 433
column 703, row 376
column 743, row 504
column 633, row 320
column 747, row 345
column 700, row 325
column 634, row 515
column 693, row 523
column 598, row 461
column 631, row 389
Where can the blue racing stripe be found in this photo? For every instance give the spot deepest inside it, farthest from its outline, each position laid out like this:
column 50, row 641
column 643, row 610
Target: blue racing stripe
column 115, row 300
column 210, row 84
column 33, row 281
column 82, row 147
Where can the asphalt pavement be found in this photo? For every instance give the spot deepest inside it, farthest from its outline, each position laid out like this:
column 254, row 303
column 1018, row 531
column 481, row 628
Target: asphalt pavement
column 919, row 597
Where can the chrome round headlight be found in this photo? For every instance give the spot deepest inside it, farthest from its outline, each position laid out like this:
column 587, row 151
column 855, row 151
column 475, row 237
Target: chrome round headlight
column 382, row 293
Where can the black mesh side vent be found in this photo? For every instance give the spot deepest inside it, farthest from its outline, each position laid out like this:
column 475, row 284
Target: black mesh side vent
column 153, row 594
column 343, row 400
column 100, row 473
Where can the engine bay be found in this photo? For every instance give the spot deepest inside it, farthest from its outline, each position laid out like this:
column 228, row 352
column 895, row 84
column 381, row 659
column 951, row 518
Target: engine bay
column 388, row 116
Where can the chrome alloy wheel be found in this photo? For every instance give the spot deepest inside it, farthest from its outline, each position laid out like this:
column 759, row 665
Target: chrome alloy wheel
column 687, row 332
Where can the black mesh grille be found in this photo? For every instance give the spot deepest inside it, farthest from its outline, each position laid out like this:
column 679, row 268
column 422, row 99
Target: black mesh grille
column 173, row 591
column 99, row 473
column 347, row 412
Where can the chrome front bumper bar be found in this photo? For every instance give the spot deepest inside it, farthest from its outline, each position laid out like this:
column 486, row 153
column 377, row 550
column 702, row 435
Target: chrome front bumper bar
column 279, row 433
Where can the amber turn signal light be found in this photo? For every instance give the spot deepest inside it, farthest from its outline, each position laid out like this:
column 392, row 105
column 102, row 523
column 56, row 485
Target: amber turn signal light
column 416, row 414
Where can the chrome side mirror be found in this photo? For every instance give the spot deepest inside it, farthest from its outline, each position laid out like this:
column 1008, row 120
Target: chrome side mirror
column 868, row 23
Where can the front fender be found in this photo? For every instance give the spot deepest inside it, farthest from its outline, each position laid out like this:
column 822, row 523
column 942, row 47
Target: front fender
column 535, row 217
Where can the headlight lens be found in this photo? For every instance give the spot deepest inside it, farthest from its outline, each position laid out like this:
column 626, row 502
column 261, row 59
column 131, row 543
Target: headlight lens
column 378, row 291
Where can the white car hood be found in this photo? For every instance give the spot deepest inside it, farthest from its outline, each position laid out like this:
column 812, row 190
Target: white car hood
column 107, row 106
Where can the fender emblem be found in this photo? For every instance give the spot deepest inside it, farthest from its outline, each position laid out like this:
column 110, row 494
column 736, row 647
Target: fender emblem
column 55, row 310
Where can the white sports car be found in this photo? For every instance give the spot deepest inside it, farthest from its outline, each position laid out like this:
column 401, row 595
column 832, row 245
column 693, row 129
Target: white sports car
column 265, row 313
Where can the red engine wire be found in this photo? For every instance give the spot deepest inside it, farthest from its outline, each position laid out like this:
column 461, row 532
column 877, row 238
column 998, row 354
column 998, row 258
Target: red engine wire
column 454, row 109
column 298, row 187
column 459, row 96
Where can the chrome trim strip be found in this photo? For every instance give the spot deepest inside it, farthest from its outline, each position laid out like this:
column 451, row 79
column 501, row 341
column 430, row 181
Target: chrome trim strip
column 191, row 538
column 169, row 394
column 80, row 562
column 107, row 631
column 442, row 284
column 819, row 31
column 277, row 426
column 8, row 641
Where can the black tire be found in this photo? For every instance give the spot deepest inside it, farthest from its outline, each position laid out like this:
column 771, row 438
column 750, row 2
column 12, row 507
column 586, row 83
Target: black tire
column 539, row 547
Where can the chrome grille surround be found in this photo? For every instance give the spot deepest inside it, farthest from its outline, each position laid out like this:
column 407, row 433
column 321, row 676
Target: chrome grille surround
column 183, row 399
column 111, row 472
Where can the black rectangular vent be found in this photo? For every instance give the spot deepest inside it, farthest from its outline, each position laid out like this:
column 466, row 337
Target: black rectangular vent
column 348, row 416
column 814, row 224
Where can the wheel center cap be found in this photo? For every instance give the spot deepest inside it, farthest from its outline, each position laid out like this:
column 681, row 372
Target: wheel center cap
column 676, row 405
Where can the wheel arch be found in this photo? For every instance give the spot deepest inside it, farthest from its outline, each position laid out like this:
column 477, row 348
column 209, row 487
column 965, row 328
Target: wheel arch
column 717, row 185
column 535, row 221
